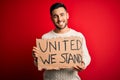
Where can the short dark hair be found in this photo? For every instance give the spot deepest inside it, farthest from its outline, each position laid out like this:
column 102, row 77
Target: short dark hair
column 57, row 5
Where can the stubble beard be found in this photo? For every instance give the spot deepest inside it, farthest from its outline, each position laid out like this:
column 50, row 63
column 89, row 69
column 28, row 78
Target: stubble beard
column 59, row 28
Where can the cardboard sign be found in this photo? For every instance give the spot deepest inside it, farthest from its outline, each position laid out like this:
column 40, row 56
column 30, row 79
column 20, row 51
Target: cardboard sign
column 59, row 53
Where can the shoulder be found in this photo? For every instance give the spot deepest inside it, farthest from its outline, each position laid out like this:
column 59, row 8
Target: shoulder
column 77, row 33
column 47, row 35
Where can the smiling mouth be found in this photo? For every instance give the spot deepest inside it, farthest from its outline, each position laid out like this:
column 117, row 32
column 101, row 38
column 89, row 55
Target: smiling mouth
column 60, row 23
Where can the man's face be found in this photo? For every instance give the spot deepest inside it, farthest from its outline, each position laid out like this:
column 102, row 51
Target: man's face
column 60, row 18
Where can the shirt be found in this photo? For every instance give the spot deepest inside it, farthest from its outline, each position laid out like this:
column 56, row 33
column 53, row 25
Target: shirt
column 66, row 74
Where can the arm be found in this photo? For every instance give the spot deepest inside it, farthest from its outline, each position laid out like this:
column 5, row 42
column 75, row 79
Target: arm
column 86, row 57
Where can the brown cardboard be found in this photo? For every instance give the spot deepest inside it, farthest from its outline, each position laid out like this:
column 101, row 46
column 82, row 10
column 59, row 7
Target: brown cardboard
column 59, row 53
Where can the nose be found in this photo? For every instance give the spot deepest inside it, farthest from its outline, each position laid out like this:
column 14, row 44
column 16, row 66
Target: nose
column 59, row 18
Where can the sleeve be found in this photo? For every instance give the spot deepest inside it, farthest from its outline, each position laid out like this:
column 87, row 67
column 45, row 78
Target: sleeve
column 86, row 56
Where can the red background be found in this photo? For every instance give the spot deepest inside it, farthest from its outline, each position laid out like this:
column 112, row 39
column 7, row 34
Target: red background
column 22, row 21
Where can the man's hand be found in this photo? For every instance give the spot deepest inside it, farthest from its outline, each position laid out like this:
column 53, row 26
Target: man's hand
column 82, row 67
column 35, row 54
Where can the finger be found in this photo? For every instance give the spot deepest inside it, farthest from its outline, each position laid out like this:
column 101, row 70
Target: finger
column 36, row 54
column 36, row 63
column 33, row 53
column 36, row 51
column 76, row 68
column 79, row 68
column 35, row 59
column 36, row 48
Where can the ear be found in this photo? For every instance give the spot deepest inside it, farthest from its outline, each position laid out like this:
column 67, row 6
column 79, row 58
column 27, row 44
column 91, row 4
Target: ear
column 67, row 16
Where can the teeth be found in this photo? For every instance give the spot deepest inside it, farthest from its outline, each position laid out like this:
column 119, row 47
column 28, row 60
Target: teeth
column 60, row 23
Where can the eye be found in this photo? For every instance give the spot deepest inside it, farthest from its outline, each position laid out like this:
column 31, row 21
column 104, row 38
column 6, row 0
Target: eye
column 62, row 14
column 54, row 16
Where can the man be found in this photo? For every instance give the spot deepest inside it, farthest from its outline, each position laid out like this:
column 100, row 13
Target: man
column 60, row 16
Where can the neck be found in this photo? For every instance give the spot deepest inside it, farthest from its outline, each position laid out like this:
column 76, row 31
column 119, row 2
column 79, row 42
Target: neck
column 61, row 31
